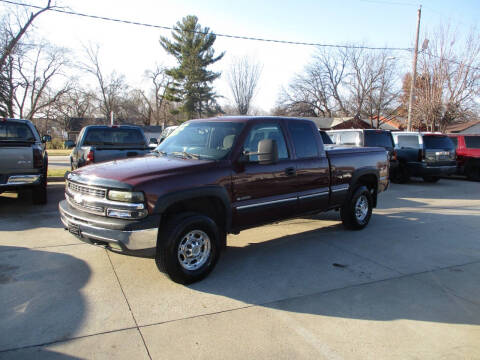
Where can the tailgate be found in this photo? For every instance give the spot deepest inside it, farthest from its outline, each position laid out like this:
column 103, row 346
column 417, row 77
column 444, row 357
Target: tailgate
column 15, row 159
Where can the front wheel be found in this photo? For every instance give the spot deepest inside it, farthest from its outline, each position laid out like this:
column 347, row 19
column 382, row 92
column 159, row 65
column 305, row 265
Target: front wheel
column 188, row 247
column 357, row 211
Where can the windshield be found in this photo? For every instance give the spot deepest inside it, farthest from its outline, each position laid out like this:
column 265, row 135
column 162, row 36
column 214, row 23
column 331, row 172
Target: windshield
column 203, row 140
column 114, row 136
column 15, row 131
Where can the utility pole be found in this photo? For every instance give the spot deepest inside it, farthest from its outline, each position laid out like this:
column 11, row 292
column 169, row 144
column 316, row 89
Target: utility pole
column 111, row 118
column 414, row 77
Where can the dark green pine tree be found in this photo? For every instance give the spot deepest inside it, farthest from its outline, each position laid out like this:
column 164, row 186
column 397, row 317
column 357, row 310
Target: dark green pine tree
column 192, row 46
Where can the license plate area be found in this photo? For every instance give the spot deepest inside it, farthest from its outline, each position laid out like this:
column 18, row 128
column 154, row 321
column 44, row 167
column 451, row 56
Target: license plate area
column 74, row 229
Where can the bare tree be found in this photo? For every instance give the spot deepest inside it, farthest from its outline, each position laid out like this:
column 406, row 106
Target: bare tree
column 382, row 97
column 448, row 86
column 30, row 74
column 13, row 36
column 156, row 101
column 318, row 91
column 242, row 77
column 112, row 87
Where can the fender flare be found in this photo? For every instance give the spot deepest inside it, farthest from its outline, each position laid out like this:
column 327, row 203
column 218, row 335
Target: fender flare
column 215, row 191
column 357, row 174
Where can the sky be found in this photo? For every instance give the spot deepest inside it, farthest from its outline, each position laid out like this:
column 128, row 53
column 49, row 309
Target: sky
column 130, row 49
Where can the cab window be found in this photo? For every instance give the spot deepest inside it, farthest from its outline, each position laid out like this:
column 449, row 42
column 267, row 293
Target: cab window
column 266, row 131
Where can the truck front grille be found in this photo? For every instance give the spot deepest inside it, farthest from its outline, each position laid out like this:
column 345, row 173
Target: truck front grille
column 86, row 190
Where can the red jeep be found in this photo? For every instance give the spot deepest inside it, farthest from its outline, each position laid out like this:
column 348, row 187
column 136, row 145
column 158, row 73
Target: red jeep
column 468, row 155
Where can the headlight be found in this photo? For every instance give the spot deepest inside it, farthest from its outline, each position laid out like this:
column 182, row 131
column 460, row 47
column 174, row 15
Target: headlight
column 126, row 196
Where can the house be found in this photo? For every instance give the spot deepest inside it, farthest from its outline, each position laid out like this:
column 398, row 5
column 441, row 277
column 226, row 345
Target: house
column 470, row 127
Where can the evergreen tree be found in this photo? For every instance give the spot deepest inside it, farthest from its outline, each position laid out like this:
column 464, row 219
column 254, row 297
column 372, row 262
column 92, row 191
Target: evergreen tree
column 192, row 46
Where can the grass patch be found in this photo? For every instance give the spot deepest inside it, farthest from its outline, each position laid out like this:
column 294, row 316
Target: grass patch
column 59, row 152
column 57, row 172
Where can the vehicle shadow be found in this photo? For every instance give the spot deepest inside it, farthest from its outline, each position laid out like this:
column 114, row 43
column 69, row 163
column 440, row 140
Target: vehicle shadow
column 18, row 213
column 32, row 310
column 318, row 271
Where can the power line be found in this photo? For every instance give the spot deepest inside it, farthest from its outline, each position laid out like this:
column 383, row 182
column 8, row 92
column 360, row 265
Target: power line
column 129, row 22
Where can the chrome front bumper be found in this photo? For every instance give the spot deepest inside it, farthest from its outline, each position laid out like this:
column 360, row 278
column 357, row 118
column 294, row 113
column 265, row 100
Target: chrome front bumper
column 101, row 232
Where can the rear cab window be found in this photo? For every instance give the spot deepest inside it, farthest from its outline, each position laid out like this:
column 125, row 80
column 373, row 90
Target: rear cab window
column 15, row 131
column 455, row 141
column 379, row 139
column 114, row 136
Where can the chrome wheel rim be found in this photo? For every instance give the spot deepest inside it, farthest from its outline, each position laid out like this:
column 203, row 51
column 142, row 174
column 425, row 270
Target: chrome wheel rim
column 361, row 208
column 194, row 250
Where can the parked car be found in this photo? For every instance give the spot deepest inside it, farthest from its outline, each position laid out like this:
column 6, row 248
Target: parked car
column 23, row 159
column 100, row 143
column 468, row 155
column 219, row 176
column 426, row 155
column 166, row 132
column 368, row 138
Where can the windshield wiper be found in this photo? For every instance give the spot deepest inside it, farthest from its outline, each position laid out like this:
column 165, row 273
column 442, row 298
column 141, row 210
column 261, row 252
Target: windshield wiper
column 185, row 154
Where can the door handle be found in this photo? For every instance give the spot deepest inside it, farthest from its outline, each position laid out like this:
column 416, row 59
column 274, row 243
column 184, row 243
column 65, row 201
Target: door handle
column 290, row 171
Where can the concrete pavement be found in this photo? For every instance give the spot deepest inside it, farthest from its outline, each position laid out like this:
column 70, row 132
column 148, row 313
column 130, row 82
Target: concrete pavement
column 58, row 162
column 407, row 286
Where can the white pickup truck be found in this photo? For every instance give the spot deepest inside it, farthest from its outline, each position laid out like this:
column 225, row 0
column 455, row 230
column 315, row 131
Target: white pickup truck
column 23, row 159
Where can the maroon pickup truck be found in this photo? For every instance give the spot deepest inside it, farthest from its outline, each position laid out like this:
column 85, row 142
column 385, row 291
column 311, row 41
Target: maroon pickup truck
column 212, row 177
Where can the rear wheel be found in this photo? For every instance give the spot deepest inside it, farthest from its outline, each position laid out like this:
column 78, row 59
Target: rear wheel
column 431, row 179
column 39, row 193
column 357, row 211
column 188, row 247
column 472, row 172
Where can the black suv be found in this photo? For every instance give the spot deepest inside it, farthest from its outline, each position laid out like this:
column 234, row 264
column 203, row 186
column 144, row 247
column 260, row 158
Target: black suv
column 426, row 155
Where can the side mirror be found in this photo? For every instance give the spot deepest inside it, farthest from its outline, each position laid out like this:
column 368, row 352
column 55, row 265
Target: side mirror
column 153, row 141
column 267, row 152
column 46, row 138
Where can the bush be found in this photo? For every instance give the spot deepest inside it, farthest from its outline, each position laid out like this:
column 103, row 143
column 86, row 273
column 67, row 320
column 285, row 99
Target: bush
column 56, row 143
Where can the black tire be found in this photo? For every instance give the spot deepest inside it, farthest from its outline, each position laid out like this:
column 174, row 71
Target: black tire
column 352, row 219
column 172, row 237
column 472, row 172
column 400, row 175
column 431, row 179
column 39, row 194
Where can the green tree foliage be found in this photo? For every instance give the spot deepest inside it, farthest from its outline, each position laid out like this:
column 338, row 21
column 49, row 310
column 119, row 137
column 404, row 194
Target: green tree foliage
column 192, row 46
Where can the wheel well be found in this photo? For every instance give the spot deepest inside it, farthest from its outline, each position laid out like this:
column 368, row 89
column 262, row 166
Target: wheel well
column 208, row 205
column 371, row 182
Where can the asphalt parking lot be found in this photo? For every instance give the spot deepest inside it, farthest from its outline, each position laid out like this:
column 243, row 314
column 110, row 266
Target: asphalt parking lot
column 407, row 286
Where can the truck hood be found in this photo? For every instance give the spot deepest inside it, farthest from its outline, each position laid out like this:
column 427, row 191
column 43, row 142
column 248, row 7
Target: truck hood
column 136, row 171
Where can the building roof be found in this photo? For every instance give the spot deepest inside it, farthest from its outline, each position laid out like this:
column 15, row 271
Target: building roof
column 459, row 127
